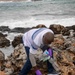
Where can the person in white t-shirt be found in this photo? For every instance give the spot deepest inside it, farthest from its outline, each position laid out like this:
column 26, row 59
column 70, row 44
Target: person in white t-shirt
column 32, row 40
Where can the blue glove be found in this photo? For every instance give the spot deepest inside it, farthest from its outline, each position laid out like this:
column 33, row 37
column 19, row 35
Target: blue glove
column 38, row 72
column 50, row 52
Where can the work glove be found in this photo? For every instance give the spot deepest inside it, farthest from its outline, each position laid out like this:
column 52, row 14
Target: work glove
column 38, row 72
column 50, row 51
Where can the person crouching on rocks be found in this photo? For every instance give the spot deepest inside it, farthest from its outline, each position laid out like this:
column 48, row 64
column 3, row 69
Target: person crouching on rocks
column 32, row 40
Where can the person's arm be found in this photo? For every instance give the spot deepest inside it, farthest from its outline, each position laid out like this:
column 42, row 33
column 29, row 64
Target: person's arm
column 34, row 65
column 47, row 54
column 50, row 58
column 44, row 47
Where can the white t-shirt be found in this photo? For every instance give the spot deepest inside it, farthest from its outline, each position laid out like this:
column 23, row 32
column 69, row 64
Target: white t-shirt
column 33, row 38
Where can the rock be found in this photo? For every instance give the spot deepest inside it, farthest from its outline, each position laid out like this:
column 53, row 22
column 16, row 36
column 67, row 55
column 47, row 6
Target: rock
column 71, row 27
column 71, row 33
column 2, row 59
column 16, row 60
column 20, row 30
column 65, row 31
column 40, row 26
column 73, row 60
column 3, row 35
column 4, row 42
column 58, row 41
column 8, row 67
column 35, row 0
column 4, row 28
column 2, row 56
column 2, row 73
column 64, row 55
column 17, row 40
column 73, row 44
column 57, row 28
column 66, row 58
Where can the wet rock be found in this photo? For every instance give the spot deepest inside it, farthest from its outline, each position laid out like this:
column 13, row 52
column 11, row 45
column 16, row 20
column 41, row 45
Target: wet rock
column 4, row 28
column 17, row 40
column 4, row 42
column 71, row 27
column 3, row 35
column 20, row 30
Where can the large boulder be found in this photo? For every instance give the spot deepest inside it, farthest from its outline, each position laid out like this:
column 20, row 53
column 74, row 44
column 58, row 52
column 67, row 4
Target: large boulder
column 57, row 28
column 17, row 40
column 15, row 61
column 65, row 54
column 4, row 42
column 4, row 28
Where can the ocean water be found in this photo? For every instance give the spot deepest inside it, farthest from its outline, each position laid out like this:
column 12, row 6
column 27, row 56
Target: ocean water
column 31, row 13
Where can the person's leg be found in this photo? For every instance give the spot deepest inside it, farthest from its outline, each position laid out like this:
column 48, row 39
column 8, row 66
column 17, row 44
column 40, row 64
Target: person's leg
column 26, row 68
column 50, row 67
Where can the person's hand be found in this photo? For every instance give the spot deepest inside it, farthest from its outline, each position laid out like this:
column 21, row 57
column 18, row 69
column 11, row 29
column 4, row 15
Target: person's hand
column 50, row 51
column 38, row 72
column 45, row 56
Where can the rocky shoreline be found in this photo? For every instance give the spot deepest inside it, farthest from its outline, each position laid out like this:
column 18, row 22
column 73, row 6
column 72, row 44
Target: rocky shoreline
column 63, row 46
